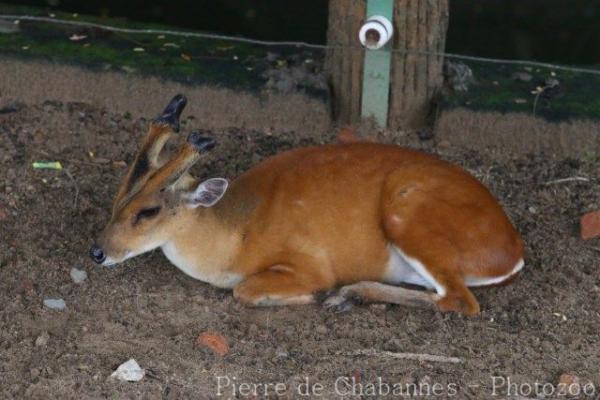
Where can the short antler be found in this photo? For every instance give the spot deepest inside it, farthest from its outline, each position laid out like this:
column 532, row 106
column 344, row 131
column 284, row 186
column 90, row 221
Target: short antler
column 148, row 157
column 170, row 173
column 161, row 130
column 170, row 116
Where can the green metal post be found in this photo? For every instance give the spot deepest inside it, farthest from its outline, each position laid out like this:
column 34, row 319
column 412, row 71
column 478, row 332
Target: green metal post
column 376, row 75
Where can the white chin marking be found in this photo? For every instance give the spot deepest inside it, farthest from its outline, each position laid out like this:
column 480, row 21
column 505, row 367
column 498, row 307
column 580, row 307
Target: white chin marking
column 109, row 262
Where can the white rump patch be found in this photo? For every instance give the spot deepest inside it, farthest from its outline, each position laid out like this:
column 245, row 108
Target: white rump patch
column 470, row 281
column 404, row 269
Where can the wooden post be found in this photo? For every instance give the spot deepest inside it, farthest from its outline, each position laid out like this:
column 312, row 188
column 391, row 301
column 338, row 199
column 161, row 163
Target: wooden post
column 345, row 65
column 419, row 26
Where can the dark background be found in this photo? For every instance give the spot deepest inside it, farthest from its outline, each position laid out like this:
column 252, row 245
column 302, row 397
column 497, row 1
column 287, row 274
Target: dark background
column 562, row 31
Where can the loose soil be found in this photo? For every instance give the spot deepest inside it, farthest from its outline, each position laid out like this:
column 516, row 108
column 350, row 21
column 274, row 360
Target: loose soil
column 544, row 324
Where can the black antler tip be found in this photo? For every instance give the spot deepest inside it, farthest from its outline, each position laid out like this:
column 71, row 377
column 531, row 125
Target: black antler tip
column 172, row 112
column 201, row 143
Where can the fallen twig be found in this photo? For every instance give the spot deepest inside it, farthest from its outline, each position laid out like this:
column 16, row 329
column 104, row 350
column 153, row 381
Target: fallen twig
column 404, row 356
column 571, row 179
column 75, row 185
column 69, row 160
column 537, row 96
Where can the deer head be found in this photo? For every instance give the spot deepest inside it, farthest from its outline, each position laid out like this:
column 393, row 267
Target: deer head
column 155, row 191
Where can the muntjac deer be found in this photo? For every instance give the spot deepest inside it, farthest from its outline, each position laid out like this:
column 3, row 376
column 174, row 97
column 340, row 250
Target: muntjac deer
column 366, row 215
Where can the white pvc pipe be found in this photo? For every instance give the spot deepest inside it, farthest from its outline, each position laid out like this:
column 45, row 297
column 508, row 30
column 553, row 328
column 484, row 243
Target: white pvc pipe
column 376, row 32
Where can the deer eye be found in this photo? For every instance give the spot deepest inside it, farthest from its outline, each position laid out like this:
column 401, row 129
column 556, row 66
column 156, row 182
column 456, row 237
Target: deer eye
column 147, row 213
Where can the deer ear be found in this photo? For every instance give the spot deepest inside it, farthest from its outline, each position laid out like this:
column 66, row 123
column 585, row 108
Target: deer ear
column 208, row 193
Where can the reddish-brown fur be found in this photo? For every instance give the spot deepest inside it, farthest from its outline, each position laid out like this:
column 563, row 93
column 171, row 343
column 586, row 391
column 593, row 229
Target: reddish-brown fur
column 311, row 219
column 358, row 197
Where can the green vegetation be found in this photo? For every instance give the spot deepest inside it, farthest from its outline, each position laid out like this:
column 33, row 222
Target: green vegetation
column 190, row 60
column 240, row 66
column 496, row 89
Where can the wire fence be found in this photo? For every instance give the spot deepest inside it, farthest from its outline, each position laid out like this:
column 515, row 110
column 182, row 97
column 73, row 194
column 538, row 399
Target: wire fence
column 548, row 90
column 201, row 35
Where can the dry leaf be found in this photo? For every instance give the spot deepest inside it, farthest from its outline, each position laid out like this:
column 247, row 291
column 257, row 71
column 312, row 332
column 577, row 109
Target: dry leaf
column 120, row 163
column 75, row 37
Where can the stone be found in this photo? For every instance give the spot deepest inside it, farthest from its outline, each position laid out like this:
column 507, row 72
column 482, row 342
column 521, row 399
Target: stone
column 458, row 76
column 129, row 371
column 78, row 276
column 569, row 384
column 393, row 345
column 321, row 329
column 55, row 304
column 42, row 340
column 590, row 225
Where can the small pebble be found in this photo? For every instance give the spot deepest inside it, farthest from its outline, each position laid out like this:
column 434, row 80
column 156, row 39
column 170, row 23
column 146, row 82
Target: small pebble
column 570, row 383
column 322, row 329
column 282, row 354
column 129, row 371
column 55, row 304
column 551, row 83
column 42, row 340
column 393, row 345
column 78, row 275
column 425, row 134
column 568, row 379
column 426, row 380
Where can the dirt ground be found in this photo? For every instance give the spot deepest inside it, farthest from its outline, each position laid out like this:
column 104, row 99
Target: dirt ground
column 532, row 331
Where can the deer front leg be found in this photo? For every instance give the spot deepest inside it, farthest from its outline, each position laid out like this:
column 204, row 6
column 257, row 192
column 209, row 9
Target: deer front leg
column 279, row 286
column 376, row 292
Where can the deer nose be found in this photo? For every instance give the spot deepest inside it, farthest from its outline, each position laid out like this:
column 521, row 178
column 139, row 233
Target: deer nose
column 97, row 254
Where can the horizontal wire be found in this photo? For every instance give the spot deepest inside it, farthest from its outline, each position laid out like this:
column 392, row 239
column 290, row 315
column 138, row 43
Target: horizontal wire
column 291, row 43
column 162, row 32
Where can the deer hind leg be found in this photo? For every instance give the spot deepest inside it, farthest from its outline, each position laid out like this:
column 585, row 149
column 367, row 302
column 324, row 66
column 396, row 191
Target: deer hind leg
column 278, row 286
column 435, row 266
column 438, row 265
column 377, row 292
column 423, row 231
